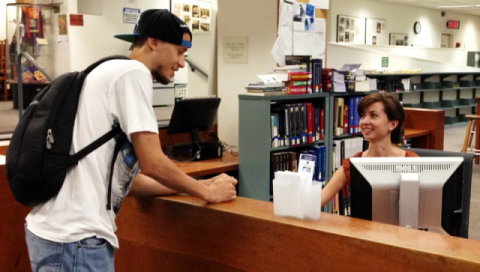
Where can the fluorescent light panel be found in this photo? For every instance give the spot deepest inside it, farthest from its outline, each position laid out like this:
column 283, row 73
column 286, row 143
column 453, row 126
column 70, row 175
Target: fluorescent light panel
column 459, row 6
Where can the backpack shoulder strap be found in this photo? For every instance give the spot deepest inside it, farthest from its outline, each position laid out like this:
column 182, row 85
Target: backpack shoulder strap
column 95, row 64
column 73, row 159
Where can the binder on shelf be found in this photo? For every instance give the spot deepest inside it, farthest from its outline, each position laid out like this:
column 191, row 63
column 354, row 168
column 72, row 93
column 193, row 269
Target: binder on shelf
column 316, row 83
column 274, row 130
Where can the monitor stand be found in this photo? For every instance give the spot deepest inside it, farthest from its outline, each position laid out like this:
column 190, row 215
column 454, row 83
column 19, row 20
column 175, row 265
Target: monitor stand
column 195, row 150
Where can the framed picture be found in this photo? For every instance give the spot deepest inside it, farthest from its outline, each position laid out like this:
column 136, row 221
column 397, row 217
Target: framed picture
column 399, row 39
column 196, row 14
column 375, row 31
column 349, row 29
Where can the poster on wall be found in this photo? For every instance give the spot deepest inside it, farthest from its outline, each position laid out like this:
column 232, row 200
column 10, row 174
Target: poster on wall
column 349, row 29
column 398, row 39
column 196, row 14
column 375, row 31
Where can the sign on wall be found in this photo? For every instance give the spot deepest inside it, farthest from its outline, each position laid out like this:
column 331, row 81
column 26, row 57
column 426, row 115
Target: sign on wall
column 196, row 14
column 235, row 49
column 130, row 15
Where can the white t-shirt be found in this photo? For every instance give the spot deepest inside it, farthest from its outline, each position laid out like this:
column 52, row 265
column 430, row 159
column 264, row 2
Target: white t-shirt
column 118, row 90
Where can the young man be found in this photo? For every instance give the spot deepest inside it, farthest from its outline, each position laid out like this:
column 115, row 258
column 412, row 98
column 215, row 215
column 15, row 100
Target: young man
column 76, row 229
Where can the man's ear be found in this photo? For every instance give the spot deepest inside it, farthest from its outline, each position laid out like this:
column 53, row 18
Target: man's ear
column 154, row 44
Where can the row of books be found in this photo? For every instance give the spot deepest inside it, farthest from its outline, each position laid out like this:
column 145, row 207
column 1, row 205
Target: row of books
column 343, row 149
column 295, row 124
column 287, row 161
column 346, row 120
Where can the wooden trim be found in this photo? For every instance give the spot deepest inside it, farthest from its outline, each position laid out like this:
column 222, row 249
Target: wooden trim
column 427, row 119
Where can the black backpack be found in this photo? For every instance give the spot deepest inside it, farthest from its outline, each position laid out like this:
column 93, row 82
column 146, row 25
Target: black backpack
column 38, row 155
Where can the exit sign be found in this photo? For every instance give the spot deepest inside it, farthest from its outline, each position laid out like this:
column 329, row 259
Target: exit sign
column 453, row 24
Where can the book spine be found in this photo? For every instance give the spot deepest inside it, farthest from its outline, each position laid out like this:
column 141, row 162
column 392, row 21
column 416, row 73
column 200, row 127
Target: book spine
column 298, row 83
column 310, row 123
column 291, row 90
column 345, row 119
column 322, row 124
column 299, row 76
column 316, row 75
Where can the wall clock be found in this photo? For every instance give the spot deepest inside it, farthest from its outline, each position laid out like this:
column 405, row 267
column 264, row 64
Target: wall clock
column 417, row 27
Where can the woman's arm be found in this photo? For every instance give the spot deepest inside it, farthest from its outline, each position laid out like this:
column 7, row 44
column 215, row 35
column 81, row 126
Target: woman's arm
column 335, row 184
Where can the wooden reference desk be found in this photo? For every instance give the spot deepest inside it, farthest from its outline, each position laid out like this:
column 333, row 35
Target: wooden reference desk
column 419, row 137
column 182, row 233
column 418, row 121
column 227, row 163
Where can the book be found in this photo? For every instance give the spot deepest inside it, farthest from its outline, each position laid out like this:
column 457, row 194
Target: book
column 274, row 130
column 290, row 69
column 294, row 76
column 263, row 85
column 316, row 69
column 298, row 83
column 267, row 93
column 298, row 60
column 291, row 90
column 310, row 123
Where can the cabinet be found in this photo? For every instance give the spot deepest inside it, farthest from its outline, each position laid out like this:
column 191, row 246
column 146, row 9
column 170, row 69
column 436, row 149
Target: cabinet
column 473, row 59
column 30, row 29
column 254, row 140
column 453, row 92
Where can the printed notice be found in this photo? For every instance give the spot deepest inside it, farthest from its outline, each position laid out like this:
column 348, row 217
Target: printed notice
column 235, row 50
column 130, row 15
column 76, row 19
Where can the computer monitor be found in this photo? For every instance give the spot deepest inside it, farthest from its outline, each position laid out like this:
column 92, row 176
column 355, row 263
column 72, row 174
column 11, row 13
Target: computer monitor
column 193, row 115
column 417, row 192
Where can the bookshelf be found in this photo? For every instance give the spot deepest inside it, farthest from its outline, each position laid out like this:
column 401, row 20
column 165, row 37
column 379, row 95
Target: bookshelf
column 254, row 140
column 453, row 92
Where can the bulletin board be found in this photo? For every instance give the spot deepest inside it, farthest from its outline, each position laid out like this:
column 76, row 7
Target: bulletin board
column 314, row 28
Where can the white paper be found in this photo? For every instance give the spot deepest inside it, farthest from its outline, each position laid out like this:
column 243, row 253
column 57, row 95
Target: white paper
column 269, row 78
column 62, row 38
column 320, row 4
column 285, row 16
column 303, row 42
column 282, row 46
column 320, row 39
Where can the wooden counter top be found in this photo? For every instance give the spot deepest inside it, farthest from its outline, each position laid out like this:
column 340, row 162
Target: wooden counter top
column 181, row 232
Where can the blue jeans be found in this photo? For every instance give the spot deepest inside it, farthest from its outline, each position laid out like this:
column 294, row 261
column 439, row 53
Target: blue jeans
column 89, row 254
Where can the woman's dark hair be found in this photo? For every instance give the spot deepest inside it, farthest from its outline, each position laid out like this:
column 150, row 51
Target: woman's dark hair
column 393, row 109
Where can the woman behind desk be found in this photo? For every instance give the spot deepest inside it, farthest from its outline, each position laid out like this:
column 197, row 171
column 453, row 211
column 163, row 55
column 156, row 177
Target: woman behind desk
column 381, row 121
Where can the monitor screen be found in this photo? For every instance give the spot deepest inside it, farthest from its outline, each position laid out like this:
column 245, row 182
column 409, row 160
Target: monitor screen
column 417, row 192
column 193, row 115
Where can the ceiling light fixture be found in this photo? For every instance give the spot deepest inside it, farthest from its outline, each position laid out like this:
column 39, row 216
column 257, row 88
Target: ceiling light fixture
column 459, row 6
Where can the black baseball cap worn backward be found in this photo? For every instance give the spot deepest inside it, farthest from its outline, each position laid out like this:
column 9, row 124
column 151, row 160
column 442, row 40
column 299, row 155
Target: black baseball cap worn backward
column 159, row 24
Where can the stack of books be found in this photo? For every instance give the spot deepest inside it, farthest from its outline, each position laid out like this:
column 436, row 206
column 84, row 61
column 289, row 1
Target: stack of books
column 333, row 81
column 296, row 77
column 266, row 89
